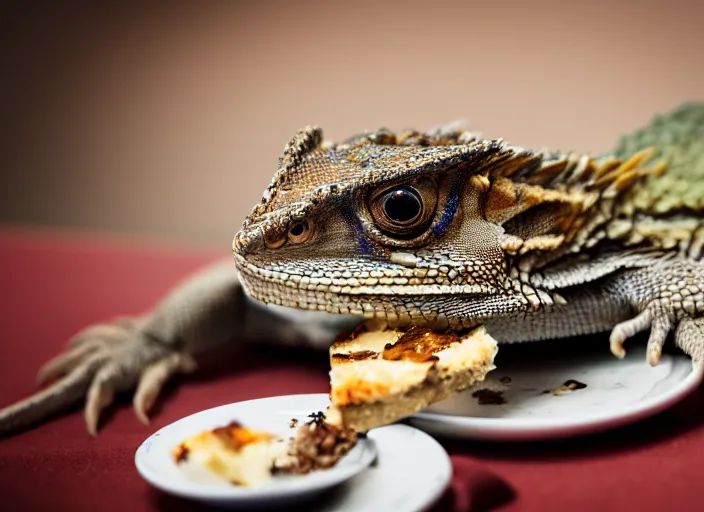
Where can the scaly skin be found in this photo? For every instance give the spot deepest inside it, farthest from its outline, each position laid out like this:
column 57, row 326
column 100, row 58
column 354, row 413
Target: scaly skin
column 535, row 245
column 564, row 244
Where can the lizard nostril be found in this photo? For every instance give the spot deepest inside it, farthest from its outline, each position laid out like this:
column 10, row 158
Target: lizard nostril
column 244, row 244
column 239, row 243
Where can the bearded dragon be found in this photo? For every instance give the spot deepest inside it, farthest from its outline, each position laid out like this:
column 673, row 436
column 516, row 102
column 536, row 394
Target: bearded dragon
column 440, row 228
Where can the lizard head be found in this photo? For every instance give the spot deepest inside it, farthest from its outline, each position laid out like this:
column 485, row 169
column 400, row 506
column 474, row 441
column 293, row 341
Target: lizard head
column 413, row 228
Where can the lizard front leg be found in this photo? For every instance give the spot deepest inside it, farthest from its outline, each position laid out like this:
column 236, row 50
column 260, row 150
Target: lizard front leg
column 668, row 298
column 105, row 359
column 206, row 310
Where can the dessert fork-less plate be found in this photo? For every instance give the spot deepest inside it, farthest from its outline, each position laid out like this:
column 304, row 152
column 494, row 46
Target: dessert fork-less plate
column 564, row 389
column 397, row 467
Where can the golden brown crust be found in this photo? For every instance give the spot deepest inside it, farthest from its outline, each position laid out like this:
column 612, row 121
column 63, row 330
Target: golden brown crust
column 400, row 377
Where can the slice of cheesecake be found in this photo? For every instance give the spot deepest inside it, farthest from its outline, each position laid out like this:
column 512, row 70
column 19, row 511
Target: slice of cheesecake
column 250, row 458
column 379, row 377
column 235, row 453
column 376, row 378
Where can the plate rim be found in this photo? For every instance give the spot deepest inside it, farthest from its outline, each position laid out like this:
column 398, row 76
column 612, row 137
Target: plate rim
column 233, row 494
column 445, row 472
column 533, row 428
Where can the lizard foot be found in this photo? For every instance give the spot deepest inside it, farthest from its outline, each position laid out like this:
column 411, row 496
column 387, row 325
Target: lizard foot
column 661, row 320
column 656, row 317
column 668, row 296
column 101, row 360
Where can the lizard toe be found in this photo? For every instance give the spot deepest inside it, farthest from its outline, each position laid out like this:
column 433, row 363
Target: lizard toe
column 154, row 377
column 120, row 373
column 660, row 328
column 99, row 397
column 689, row 337
column 654, row 317
column 64, row 364
column 624, row 330
column 61, row 394
column 104, row 333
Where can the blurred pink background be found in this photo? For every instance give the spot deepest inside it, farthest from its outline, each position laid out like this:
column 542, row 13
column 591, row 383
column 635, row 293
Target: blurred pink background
column 167, row 122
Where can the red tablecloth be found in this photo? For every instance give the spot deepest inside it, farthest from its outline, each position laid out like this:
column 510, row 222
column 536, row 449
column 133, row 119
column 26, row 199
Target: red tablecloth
column 53, row 285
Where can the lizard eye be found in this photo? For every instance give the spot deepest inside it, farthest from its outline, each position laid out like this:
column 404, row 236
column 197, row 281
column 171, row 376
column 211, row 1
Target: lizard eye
column 274, row 241
column 402, row 205
column 404, row 210
column 299, row 231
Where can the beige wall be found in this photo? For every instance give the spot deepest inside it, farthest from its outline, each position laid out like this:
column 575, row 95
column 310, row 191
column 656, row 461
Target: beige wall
column 169, row 122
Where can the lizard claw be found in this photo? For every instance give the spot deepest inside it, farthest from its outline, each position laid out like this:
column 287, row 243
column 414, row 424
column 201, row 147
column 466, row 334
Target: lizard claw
column 153, row 379
column 624, row 330
column 98, row 399
column 652, row 317
column 659, row 330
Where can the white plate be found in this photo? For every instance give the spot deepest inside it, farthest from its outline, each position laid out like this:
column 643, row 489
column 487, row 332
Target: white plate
column 618, row 392
column 410, row 472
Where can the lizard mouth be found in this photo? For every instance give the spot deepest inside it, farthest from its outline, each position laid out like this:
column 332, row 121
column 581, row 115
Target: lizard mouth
column 397, row 304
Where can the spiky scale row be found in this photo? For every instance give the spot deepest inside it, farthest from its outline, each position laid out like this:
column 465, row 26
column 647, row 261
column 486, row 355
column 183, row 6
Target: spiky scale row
column 587, row 192
column 303, row 142
column 586, row 187
column 678, row 137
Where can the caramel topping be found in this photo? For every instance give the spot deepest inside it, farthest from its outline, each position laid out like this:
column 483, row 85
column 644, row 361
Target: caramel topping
column 235, row 436
column 180, row 453
column 419, row 345
column 354, row 356
column 345, row 337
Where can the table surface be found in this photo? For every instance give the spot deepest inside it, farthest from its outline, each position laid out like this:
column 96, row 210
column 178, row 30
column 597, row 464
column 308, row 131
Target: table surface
column 57, row 283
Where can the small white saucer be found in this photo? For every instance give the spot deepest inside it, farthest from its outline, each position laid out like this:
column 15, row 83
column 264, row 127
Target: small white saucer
column 395, row 467
column 617, row 392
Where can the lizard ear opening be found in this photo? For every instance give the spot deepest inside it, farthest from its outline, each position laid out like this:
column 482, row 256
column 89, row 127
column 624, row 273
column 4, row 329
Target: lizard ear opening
column 538, row 220
column 532, row 216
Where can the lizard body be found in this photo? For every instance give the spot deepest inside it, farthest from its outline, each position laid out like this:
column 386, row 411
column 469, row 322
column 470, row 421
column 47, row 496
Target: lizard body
column 442, row 229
